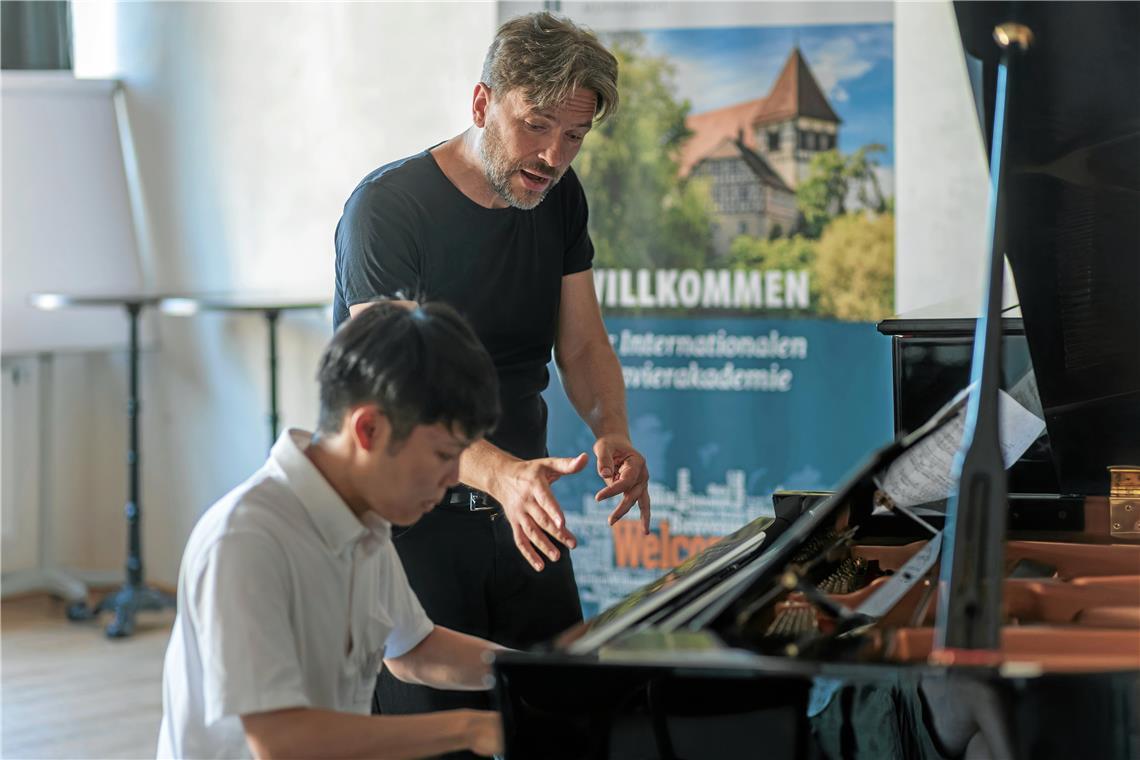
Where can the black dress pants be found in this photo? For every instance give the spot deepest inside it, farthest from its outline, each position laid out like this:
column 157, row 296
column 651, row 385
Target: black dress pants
column 469, row 576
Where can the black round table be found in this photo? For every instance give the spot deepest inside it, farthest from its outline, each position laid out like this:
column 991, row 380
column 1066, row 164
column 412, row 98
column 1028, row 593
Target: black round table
column 268, row 305
column 135, row 595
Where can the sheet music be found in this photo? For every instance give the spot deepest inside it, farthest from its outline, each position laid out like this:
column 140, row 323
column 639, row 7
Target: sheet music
column 924, row 473
column 1025, row 393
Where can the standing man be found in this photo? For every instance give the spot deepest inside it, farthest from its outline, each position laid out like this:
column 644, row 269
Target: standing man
column 493, row 221
column 291, row 594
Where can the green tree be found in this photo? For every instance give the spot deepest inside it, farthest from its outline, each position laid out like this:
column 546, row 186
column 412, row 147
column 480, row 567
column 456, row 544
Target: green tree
column 832, row 177
column 823, row 194
column 748, row 252
column 854, row 268
column 791, row 253
column 641, row 213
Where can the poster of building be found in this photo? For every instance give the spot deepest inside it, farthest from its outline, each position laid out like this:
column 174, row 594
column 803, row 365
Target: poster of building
column 741, row 208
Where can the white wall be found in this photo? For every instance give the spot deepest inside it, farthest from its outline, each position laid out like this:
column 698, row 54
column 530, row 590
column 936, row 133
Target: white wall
column 941, row 176
column 252, row 122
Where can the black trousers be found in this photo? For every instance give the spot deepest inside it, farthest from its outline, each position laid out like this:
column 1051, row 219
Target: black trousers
column 469, row 576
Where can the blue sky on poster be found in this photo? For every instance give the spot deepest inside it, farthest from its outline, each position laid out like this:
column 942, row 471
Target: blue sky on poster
column 853, row 63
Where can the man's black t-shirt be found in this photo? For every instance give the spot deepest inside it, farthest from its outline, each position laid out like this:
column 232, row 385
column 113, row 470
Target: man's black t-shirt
column 408, row 232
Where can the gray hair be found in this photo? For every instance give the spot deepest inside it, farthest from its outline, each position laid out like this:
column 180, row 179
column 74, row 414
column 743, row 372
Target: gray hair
column 547, row 58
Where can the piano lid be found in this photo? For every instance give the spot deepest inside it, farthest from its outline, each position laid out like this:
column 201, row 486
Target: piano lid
column 1072, row 217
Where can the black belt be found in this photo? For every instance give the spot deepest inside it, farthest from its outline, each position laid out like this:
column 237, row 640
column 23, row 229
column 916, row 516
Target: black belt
column 469, row 500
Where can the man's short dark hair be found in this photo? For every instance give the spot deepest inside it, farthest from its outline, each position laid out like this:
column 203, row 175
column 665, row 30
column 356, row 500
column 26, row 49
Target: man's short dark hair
column 547, row 57
column 420, row 366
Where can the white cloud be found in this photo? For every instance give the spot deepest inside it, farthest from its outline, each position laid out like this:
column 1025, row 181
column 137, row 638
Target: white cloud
column 716, row 82
column 838, row 60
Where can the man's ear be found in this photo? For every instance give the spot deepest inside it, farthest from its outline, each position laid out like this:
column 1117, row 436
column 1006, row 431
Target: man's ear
column 480, row 102
column 369, row 427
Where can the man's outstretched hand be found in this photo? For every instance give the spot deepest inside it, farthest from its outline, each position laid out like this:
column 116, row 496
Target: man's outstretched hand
column 530, row 507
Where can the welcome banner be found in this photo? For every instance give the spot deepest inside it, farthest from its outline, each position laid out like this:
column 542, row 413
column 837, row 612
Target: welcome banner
column 741, row 208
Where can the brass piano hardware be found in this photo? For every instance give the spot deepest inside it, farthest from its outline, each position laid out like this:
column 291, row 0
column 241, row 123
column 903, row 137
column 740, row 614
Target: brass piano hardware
column 1010, row 33
column 1124, row 502
column 1021, row 669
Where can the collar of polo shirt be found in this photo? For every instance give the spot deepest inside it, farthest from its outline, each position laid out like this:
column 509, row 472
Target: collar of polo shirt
column 340, row 529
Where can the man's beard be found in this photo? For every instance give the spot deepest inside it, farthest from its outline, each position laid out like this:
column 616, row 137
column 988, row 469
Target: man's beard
column 499, row 170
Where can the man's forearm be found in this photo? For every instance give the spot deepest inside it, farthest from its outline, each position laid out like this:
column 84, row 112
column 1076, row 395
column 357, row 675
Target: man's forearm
column 594, row 384
column 446, row 659
column 481, row 463
column 306, row 732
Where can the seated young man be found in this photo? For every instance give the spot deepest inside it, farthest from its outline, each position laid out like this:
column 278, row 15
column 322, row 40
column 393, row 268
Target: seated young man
column 291, row 594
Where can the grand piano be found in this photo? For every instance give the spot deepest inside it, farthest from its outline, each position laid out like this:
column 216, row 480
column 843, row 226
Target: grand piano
column 1000, row 623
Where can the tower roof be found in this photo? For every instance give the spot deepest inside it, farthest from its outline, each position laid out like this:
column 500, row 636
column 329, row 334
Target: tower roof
column 794, row 93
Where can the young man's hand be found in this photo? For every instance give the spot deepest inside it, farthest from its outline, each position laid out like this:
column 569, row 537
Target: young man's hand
column 529, row 505
column 485, row 732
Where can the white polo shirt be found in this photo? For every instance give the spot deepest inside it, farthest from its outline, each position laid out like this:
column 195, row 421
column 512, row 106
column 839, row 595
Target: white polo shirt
column 285, row 599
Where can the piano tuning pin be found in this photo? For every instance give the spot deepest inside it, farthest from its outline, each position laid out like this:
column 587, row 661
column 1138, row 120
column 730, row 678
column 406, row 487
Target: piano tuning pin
column 779, row 624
